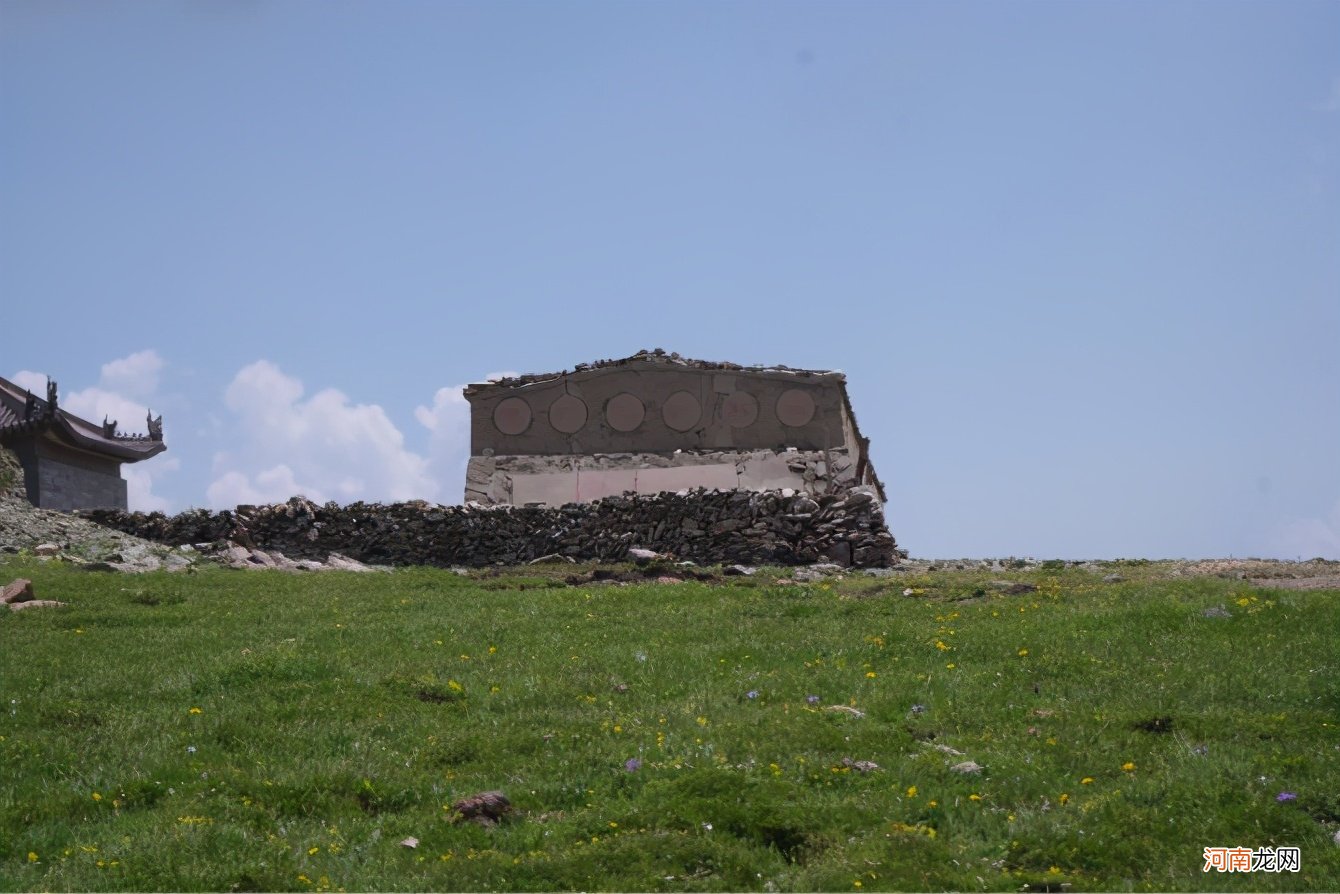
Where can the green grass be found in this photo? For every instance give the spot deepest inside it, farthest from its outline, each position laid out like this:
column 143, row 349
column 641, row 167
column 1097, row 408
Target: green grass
column 340, row 713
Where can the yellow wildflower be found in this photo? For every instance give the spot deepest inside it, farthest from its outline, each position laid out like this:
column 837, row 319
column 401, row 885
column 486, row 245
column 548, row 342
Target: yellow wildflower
column 97, row 797
column 195, row 711
column 1128, row 766
column 1087, row 780
column 32, row 856
column 911, row 791
column 1064, row 799
column 1023, row 653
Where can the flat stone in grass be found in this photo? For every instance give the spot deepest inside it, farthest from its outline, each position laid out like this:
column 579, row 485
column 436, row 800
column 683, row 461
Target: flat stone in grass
column 35, row 603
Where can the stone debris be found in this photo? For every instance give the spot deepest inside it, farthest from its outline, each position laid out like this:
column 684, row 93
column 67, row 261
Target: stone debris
column 844, row 530
column 46, row 549
column 738, row 570
column 1112, row 578
column 945, row 749
column 860, row 766
column 845, row 709
column 485, row 808
column 967, row 767
column 410, row 842
column 20, row 590
column 234, row 556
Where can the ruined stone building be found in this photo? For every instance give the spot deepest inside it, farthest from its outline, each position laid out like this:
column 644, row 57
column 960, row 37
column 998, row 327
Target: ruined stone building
column 659, row 422
column 70, row 463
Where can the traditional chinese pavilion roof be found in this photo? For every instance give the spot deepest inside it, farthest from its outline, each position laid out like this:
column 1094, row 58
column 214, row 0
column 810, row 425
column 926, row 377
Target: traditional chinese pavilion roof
column 24, row 413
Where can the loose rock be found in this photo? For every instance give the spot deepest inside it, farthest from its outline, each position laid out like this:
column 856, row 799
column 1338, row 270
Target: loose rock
column 485, row 808
column 20, row 590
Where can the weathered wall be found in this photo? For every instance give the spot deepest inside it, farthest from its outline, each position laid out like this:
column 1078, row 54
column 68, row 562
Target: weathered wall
column 655, row 408
column 57, row 477
column 709, row 527
column 556, row 480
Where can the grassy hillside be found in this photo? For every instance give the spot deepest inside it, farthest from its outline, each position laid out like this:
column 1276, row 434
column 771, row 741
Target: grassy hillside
column 269, row 731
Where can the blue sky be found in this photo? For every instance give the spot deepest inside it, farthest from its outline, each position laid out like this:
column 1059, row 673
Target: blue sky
column 1079, row 261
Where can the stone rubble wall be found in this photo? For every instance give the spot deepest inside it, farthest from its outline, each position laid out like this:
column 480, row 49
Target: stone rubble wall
column 708, row 527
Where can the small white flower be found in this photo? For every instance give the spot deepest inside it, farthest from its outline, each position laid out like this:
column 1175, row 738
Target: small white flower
column 707, row 826
column 190, row 749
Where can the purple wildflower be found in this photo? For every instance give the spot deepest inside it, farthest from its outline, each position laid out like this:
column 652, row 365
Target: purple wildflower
column 1286, row 796
column 753, row 693
column 812, row 699
column 632, row 765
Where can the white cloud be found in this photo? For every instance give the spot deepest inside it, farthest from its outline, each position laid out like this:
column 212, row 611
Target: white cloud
column 135, row 375
column 269, row 486
column 139, row 484
column 95, row 404
column 1308, row 538
column 323, row 447
column 448, row 421
column 34, row 381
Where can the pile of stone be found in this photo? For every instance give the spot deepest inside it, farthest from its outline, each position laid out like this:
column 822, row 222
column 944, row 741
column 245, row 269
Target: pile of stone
column 50, row 534
column 707, row 527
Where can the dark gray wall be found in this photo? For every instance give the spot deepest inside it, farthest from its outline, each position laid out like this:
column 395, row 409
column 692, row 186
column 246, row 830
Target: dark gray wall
column 653, row 386
column 66, row 479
